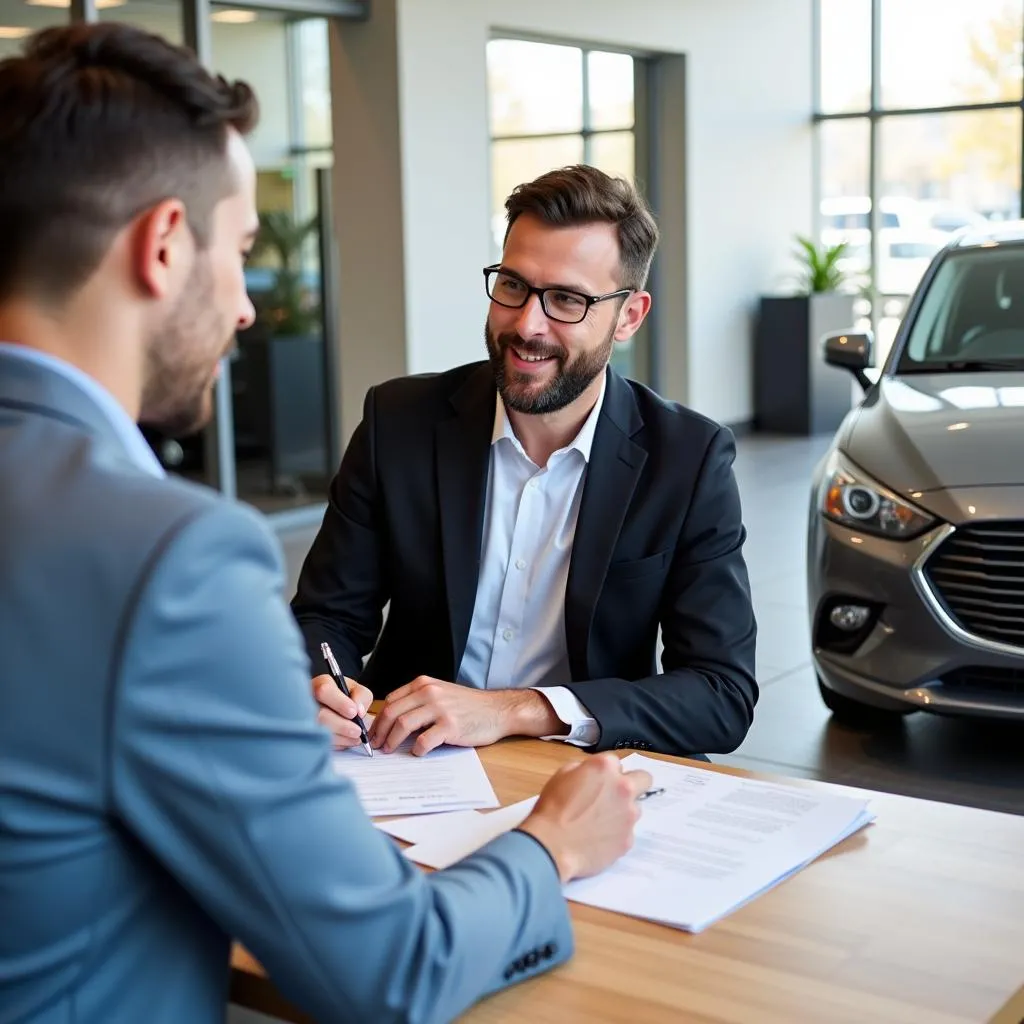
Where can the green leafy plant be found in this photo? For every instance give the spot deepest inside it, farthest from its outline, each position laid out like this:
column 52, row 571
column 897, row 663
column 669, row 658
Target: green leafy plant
column 820, row 269
column 289, row 308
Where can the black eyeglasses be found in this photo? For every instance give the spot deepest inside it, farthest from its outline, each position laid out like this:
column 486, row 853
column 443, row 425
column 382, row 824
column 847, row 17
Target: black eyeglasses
column 567, row 307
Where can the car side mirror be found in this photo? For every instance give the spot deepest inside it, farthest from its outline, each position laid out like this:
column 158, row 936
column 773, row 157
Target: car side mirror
column 853, row 352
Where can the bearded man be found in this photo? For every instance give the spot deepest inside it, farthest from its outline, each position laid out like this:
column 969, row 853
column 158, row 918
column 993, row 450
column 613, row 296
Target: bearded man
column 532, row 521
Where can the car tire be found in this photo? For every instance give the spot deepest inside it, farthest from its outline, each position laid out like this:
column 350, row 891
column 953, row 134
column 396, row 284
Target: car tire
column 847, row 711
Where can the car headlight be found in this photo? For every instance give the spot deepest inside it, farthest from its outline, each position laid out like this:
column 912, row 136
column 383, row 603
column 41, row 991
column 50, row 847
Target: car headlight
column 850, row 497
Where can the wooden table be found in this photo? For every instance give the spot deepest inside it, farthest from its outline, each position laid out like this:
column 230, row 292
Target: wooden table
column 918, row 919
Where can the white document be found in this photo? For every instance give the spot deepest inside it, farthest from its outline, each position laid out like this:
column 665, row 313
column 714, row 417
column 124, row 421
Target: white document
column 447, row 779
column 705, row 846
column 712, row 842
column 448, row 838
column 422, row 827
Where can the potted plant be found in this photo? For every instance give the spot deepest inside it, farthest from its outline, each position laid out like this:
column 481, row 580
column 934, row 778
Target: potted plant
column 290, row 308
column 795, row 391
column 278, row 377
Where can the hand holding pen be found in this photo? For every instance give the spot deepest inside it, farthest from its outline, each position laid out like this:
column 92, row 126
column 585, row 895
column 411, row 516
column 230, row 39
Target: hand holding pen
column 339, row 679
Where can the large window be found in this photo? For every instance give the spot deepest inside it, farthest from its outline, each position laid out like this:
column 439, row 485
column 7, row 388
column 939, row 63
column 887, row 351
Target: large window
column 920, row 115
column 553, row 105
column 281, row 394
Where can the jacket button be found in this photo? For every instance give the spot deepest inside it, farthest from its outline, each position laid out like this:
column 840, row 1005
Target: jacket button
column 532, row 959
column 509, row 974
column 549, row 951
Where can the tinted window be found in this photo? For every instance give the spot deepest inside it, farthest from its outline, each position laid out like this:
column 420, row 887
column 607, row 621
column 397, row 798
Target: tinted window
column 973, row 310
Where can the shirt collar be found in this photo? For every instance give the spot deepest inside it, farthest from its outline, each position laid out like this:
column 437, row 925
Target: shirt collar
column 584, row 440
column 125, row 428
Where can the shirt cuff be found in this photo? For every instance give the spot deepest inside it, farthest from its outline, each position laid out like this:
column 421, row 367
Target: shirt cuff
column 583, row 729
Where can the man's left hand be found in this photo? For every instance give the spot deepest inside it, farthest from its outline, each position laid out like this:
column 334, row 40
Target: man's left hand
column 445, row 712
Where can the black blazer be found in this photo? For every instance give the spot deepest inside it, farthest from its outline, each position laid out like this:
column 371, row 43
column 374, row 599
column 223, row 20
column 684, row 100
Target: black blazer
column 658, row 542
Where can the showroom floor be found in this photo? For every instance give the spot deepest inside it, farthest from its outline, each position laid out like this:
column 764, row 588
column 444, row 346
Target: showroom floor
column 976, row 763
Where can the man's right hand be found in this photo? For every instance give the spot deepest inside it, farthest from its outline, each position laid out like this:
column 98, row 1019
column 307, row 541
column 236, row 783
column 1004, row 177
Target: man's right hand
column 586, row 813
column 337, row 711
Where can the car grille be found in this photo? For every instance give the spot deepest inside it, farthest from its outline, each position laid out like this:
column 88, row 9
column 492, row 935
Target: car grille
column 978, row 573
column 979, row 682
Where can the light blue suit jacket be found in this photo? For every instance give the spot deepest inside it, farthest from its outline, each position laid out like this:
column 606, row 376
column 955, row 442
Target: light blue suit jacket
column 163, row 784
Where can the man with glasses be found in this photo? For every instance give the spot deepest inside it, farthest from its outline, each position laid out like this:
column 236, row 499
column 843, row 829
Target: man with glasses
column 535, row 519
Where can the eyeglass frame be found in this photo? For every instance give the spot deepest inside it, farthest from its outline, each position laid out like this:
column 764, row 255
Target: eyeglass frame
column 589, row 300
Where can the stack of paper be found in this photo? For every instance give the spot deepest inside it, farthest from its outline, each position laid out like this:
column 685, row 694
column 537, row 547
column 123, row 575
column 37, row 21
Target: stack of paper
column 446, row 779
column 705, row 846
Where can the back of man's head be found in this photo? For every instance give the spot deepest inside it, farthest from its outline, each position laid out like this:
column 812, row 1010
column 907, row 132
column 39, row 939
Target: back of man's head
column 97, row 124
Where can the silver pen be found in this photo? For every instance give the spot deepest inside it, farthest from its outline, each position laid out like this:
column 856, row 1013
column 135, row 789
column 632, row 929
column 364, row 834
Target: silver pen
column 651, row 792
column 325, row 650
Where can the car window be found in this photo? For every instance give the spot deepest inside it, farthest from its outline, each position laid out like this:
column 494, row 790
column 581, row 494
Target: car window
column 973, row 310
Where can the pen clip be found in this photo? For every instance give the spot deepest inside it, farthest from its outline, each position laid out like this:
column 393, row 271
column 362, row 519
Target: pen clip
column 325, row 650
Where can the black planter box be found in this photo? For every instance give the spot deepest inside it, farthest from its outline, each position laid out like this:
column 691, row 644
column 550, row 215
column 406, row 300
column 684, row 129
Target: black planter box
column 795, row 392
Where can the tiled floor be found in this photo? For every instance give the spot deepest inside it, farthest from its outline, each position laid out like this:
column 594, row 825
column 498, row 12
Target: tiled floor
column 977, row 763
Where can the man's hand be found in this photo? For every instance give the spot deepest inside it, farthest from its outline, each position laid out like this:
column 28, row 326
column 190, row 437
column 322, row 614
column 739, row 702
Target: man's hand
column 337, row 711
column 461, row 715
column 586, row 814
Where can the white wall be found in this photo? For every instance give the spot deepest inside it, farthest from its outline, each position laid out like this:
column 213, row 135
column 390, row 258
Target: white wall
column 746, row 110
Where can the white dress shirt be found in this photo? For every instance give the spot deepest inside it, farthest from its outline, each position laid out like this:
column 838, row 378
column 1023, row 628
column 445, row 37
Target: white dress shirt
column 517, row 634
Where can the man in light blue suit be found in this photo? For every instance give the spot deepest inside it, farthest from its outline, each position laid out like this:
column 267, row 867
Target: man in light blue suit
column 164, row 786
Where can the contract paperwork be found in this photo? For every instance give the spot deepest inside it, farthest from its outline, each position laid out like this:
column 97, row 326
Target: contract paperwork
column 704, row 847
column 446, row 779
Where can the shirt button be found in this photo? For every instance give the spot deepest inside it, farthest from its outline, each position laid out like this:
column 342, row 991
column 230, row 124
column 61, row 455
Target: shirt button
column 506, row 634
column 520, row 563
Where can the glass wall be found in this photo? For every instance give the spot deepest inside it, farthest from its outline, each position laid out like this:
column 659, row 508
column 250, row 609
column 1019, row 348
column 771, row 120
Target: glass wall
column 280, row 380
column 162, row 17
column 19, row 19
column 920, row 120
column 552, row 105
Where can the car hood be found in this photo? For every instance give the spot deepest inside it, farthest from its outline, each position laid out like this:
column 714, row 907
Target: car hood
column 929, row 432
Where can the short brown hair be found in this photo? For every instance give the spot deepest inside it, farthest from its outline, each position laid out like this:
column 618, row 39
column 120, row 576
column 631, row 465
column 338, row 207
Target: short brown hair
column 98, row 123
column 580, row 194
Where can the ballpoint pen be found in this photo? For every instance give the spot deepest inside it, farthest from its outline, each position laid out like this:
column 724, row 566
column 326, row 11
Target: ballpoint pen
column 650, row 793
column 325, row 650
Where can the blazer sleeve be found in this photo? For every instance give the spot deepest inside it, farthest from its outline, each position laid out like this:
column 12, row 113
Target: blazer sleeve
column 218, row 768
column 341, row 591
column 703, row 701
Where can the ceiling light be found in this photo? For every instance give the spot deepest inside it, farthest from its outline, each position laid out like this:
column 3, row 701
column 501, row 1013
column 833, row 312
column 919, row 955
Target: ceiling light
column 233, row 17
column 100, row 4
column 13, row 32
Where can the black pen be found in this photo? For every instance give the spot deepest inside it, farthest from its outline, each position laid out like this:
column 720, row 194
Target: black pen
column 650, row 793
column 325, row 649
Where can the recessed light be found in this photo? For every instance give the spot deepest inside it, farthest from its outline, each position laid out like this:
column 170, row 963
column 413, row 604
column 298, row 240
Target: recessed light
column 233, row 17
column 13, row 32
column 100, row 4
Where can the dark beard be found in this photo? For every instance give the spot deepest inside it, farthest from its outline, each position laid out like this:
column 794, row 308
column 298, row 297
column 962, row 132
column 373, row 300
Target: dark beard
column 571, row 379
column 175, row 397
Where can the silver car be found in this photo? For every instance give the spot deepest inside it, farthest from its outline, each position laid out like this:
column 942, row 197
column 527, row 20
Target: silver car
column 916, row 530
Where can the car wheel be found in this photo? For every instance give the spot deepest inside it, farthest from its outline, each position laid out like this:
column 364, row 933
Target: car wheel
column 851, row 712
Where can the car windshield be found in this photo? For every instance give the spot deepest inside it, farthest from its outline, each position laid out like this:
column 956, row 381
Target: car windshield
column 972, row 316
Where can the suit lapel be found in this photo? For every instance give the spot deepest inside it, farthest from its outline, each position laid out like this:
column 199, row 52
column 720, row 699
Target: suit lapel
column 463, row 450
column 616, row 462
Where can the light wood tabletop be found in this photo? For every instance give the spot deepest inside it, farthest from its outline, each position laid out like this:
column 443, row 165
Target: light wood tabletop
column 918, row 919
